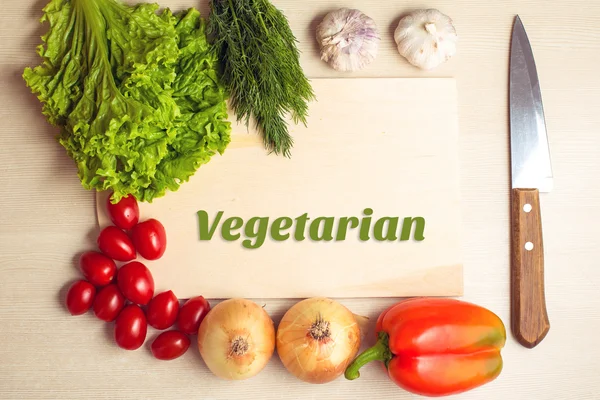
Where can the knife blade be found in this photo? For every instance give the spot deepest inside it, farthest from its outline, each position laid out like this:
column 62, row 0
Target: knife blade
column 531, row 173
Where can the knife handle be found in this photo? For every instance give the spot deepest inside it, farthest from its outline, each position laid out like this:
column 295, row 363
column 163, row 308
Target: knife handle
column 529, row 317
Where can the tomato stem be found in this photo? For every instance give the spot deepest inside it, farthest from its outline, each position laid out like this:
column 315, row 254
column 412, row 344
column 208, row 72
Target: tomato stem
column 379, row 352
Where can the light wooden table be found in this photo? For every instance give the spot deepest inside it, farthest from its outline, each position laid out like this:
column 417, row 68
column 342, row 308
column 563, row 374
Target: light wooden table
column 47, row 218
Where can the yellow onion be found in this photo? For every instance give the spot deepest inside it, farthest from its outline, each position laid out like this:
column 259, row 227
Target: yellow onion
column 236, row 339
column 317, row 338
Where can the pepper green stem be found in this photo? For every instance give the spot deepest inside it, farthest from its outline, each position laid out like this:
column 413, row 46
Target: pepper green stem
column 379, row 352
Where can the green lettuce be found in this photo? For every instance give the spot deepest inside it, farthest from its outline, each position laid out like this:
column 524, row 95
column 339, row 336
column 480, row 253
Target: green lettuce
column 134, row 91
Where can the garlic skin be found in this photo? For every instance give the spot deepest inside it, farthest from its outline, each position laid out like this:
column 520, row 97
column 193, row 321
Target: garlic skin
column 348, row 39
column 426, row 38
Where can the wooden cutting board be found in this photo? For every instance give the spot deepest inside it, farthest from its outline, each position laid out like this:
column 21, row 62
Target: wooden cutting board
column 388, row 145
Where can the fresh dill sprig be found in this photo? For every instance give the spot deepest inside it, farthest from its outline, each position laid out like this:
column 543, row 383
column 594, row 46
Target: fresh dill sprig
column 260, row 67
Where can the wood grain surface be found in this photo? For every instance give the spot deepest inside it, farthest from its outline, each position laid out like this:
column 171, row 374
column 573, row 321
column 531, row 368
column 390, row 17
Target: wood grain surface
column 48, row 219
column 529, row 316
column 365, row 145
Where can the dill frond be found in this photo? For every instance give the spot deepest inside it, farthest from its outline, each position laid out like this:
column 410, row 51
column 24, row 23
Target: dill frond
column 260, row 67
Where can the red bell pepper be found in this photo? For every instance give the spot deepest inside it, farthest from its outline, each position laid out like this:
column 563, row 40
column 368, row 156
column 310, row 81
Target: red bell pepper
column 436, row 346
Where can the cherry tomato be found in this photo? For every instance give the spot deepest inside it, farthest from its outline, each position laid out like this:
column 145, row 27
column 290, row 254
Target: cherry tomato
column 169, row 345
column 109, row 303
column 115, row 244
column 97, row 268
column 124, row 214
column 131, row 328
column 80, row 297
column 150, row 239
column 136, row 283
column 162, row 310
column 191, row 314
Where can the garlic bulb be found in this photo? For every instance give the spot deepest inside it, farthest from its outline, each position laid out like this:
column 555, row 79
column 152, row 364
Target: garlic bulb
column 348, row 39
column 426, row 38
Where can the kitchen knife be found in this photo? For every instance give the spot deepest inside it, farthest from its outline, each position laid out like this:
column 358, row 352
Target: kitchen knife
column 531, row 173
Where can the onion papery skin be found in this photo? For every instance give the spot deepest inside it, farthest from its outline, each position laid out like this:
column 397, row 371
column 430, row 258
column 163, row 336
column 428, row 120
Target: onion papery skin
column 323, row 358
column 236, row 339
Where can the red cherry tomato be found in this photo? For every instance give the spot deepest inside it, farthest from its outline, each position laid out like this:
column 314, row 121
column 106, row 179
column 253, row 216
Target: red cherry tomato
column 80, row 297
column 109, row 303
column 150, row 239
column 162, row 310
column 169, row 345
column 136, row 283
column 191, row 314
column 131, row 328
column 97, row 268
column 124, row 214
column 115, row 244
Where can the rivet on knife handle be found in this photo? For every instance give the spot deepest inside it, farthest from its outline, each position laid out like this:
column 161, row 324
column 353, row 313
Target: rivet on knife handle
column 529, row 316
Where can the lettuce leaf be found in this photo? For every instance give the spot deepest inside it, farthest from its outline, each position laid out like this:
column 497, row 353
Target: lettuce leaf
column 134, row 92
